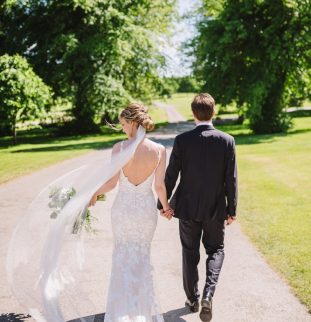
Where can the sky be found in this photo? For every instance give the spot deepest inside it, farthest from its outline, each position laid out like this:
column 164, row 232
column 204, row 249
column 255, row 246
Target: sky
column 177, row 64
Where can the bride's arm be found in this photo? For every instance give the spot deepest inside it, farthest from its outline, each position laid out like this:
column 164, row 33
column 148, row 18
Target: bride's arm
column 110, row 184
column 159, row 184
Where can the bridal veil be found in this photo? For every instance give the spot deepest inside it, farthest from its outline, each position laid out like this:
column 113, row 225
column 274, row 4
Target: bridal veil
column 46, row 253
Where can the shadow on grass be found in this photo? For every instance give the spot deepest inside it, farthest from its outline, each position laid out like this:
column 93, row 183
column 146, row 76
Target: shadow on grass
column 13, row 317
column 74, row 146
column 160, row 124
column 241, row 133
column 248, row 139
column 51, row 136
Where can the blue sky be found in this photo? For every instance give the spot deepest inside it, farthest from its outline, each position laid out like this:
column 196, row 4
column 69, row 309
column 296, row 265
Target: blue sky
column 181, row 32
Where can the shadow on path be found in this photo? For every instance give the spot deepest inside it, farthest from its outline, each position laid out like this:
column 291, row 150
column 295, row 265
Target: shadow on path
column 91, row 318
column 170, row 316
column 176, row 315
column 13, row 317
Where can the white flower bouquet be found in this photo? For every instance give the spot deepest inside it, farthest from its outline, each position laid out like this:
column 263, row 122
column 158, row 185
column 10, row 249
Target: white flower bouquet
column 59, row 196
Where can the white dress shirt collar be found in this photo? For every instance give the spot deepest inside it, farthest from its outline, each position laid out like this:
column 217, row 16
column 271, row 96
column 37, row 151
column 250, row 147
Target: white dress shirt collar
column 205, row 123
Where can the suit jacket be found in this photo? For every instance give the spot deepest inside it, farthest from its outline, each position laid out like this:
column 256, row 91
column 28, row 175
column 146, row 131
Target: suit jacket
column 205, row 159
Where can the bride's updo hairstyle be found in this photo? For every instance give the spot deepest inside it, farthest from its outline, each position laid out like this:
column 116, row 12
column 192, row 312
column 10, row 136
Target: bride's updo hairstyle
column 138, row 113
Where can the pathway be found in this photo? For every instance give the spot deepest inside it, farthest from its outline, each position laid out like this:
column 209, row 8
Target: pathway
column 248, row 291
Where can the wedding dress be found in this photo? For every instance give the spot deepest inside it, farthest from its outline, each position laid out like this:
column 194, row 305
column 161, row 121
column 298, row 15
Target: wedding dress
column 47, row 253
column 131, row 295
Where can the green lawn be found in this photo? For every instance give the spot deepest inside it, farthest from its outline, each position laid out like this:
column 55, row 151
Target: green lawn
column 274, row 199
column 158, row 115
column 182, row 102
column 274, row 195
column 40, row 148
column 274, row 185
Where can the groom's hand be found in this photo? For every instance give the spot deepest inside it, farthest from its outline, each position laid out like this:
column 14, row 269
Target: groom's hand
column 230, row 220
column 167, row 214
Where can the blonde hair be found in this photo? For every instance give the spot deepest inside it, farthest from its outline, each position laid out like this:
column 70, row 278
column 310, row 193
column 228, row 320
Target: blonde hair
column 138, row 113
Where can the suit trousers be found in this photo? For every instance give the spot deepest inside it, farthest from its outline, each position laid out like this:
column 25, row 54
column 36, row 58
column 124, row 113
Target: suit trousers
column 212, row 233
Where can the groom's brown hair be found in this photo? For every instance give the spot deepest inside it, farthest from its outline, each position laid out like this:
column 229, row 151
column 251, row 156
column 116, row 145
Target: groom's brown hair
column 203, row 107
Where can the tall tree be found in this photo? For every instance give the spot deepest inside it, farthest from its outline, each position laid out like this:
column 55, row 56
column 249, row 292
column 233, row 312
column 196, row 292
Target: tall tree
column 100, row 53
column 23, row 95
column 256, row 53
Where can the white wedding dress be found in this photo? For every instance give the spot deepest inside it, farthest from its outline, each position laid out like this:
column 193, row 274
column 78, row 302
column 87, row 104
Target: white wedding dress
column 131, row 296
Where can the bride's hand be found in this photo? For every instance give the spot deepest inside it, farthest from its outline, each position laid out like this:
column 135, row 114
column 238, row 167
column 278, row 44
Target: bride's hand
column 168, row 213
column 93, row 200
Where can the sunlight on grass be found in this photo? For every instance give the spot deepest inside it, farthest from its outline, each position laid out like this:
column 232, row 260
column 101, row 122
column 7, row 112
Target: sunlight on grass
column 28, row 157
column 182, row 102
column 274, row 185
column 274, row 201
column 38, row 149
column 158, row 115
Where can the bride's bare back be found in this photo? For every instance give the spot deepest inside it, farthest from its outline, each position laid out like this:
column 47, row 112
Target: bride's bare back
column 148, row 158
column 145, row 160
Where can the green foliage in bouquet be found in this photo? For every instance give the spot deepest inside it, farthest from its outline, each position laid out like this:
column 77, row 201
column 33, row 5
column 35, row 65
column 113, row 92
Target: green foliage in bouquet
column 59, row 198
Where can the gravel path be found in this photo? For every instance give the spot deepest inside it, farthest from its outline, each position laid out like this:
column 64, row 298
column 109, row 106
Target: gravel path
column 248, row 291
column 295, row 109
column 172, row 114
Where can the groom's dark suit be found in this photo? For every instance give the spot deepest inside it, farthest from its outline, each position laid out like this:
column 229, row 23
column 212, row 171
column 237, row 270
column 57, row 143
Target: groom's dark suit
column 205, row 196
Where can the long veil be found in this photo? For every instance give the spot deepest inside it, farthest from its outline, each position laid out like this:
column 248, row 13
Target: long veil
column 46, row 253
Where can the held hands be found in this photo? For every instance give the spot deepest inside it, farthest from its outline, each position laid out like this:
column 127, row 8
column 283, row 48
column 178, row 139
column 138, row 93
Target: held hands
column 97, row 197
column 168, row 213
column 230, row 220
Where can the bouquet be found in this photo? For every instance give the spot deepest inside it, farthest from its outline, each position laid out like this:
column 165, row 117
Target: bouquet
column 60, row 196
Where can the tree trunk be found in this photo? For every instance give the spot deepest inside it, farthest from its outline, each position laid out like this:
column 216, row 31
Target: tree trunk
column 14, row 133
column 271, row 119
column 84, row 114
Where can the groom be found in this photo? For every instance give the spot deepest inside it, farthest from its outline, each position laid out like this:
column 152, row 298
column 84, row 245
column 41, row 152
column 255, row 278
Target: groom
column 206, row 198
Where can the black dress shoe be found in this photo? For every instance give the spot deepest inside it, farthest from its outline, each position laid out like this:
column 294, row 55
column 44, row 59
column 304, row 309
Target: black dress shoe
column 206, row 310
column 193, row 306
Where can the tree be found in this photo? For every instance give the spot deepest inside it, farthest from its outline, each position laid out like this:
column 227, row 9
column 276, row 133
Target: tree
column 256, row 53
column 99, row 53
column 23, row 95
column 188, row 84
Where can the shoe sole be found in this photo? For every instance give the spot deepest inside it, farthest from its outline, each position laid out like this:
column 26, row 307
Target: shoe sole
column 205, row 315
column 193, row 309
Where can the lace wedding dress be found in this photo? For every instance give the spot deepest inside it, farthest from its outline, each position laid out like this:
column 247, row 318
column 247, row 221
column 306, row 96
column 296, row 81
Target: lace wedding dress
column 131, row 296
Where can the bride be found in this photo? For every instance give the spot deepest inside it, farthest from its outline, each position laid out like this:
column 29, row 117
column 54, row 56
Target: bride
column 47, row 253
column 131, row 296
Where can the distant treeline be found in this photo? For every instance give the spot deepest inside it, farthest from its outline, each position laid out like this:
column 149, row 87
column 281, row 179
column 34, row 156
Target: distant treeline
column 184, row 84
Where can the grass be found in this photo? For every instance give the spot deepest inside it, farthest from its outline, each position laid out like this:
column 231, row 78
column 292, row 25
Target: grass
column 182, row 102
column 39, row 148
column 274, row 184
column 274, row 199
column 158, row 115
column 274, row 195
